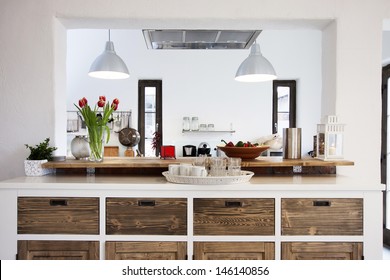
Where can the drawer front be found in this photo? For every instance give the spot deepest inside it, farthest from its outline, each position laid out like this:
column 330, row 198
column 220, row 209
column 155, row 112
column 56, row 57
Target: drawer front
column 156, row 216
column 226, row 216
column 145, row 250
column 234, row 251
column 58, row 250
column 58, row 215
column 334, row 216
column 322, row 251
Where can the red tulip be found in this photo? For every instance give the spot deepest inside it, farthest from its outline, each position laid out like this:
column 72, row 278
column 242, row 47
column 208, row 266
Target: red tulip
column 102, row 98
column 101, row 103
column 115, row 101
column 114, row 106
column 83, row 102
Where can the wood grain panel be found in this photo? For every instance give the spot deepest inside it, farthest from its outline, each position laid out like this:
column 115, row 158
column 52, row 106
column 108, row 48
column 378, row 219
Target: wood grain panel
column 58, row 250
column 111, row 151
column 227, row 216
column 58, row 215
column 322, row 251
column 142, row 162
column 324, row 216
column 160, row 216
column 148, row 250
column 234, row 251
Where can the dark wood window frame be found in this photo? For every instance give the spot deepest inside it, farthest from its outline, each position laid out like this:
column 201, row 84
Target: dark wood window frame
column 292, row 84
column 142, row 84
column 385, row 86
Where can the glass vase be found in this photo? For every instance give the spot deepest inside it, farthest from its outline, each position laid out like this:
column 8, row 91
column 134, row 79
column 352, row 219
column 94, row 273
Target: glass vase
column 96, row 143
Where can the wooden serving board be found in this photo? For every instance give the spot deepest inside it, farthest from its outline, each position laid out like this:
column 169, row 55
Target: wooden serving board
column 142, row 162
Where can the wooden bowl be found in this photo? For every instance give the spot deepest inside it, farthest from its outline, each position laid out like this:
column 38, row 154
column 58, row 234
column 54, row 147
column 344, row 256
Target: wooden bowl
column 243, row 152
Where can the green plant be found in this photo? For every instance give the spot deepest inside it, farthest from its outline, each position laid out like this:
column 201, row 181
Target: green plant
column 41, row 151
column 96, row 122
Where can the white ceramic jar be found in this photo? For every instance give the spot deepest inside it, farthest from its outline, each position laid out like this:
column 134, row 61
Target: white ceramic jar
column 79, row 147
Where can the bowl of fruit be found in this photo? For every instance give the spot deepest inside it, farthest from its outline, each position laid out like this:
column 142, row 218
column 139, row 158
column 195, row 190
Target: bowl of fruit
column 244, row 150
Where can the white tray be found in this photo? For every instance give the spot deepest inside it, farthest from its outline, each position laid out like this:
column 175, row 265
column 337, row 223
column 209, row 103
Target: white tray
column 209, row 180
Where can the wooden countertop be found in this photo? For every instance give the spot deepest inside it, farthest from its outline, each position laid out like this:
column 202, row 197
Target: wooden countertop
column 139, row 162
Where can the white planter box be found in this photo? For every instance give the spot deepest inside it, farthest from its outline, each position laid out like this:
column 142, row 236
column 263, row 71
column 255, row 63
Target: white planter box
column 34, row 168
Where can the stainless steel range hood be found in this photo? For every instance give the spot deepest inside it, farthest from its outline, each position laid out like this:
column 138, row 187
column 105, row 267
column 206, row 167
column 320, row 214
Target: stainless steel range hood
column 199, row 39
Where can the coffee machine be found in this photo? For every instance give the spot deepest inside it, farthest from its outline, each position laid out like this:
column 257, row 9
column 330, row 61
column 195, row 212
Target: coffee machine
column 189, row 151
column 204, row 149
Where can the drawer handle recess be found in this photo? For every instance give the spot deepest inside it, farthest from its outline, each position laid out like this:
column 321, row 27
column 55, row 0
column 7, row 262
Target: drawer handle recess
column 321, row 203
column 146, row 202
column 58, row 202
column 233, row 204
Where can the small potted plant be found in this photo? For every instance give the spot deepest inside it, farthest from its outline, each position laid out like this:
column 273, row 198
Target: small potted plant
column 39, row 154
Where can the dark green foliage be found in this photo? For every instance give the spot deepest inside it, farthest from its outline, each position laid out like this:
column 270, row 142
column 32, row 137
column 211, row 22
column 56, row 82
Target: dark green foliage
column 41, row 151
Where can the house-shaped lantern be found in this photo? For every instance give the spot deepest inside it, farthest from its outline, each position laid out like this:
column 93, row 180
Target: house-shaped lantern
column 330, row 139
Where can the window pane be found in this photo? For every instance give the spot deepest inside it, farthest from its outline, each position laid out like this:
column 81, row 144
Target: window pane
column 150, row 99
column 150, row 125
column 150, row 119
column 283, row 108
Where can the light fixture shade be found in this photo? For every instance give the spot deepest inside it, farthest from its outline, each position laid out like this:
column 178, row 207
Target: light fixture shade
column 255, row 68
column 109, row 65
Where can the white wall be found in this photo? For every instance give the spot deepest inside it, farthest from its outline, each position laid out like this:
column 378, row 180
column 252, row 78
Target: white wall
column 386, row 48
column 30, row 59
column 200, row 83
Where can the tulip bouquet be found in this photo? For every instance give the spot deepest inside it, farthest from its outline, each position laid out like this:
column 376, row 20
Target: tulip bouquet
column 96, row 122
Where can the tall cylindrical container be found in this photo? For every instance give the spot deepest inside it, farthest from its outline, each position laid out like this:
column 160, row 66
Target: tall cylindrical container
column 186, row 124
column 292, row 143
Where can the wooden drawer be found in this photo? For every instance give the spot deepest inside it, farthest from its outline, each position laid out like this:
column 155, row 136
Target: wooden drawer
column 227, row 216
column 234, row 251
column 324, row 216
column 322, row 251
column 145, row 250
column 162, row 216
column 58, row 215
column 58, row 250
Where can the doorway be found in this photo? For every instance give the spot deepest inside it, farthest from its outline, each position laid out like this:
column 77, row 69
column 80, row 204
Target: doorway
column 150, row 117
column 385, row 168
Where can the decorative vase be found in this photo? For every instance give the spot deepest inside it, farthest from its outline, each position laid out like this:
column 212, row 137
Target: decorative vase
column 79, row 147
column 34, row 168
column 96, row 143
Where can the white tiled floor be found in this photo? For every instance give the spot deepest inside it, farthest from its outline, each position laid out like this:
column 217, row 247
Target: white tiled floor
column 386, row 253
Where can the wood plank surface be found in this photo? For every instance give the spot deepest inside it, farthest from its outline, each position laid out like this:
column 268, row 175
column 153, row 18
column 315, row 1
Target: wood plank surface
column 322, row 216
column 58, row 215
column 322, row 250
column 57, row 250
column 234, row 251
column 142, row 162
column 167, row 216
column 244, row 216
column 145, row 250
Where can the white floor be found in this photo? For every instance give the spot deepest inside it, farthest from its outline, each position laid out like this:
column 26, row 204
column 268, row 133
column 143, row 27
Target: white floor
column 386, row 253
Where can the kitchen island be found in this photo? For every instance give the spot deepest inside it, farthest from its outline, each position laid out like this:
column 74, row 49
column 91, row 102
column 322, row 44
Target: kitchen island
column 146, row 217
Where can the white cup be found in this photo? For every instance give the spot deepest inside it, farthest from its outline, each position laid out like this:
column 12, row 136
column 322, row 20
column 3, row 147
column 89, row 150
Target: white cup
column 174, row 169
column 198, row 171
column 185, row 169
column 234, row 166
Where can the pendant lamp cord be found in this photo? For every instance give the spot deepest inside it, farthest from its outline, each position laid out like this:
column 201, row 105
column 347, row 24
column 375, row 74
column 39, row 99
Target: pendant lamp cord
column 109, row 35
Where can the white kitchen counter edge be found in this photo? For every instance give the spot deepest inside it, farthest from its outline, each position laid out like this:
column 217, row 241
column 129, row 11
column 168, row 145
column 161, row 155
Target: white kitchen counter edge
column 262, row 183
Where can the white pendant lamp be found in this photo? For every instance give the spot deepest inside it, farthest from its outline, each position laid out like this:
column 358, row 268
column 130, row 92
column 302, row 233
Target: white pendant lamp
column 255, row 68
column 109, row 65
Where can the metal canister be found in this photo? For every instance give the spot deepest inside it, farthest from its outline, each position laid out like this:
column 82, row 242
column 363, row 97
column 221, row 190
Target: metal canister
column 292, row 143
